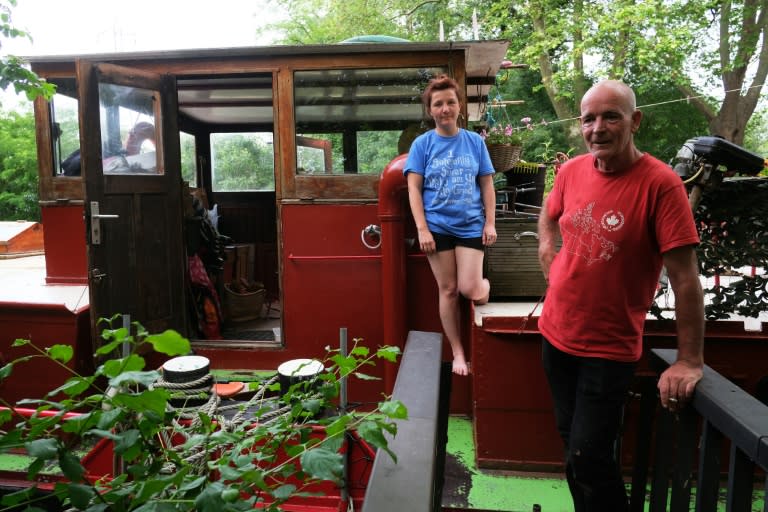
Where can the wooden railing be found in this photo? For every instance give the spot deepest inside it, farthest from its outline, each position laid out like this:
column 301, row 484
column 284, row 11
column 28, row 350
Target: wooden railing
column 415, row 481
column 684, row 450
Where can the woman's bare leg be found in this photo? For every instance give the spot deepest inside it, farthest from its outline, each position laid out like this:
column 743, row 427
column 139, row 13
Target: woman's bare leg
column 443, row 266
column 469, row 272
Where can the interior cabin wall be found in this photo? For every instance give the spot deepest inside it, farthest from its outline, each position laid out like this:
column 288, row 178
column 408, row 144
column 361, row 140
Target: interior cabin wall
column 252, row 219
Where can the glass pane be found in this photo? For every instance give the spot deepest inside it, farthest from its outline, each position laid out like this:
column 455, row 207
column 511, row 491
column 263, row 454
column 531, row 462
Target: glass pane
column 66, row 135
column 355, row 117
column 375, row 150
column 128, row 123
column 188, row 152
column 242, row 162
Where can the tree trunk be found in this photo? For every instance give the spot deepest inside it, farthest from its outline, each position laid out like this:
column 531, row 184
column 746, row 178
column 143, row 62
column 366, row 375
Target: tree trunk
column 564, row 109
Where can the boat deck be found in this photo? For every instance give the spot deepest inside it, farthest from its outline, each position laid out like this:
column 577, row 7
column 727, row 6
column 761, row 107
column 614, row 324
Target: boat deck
column 22, row 281
column 468, row 488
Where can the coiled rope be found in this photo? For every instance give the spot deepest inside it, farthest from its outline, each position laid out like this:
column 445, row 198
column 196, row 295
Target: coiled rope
column 214, row 409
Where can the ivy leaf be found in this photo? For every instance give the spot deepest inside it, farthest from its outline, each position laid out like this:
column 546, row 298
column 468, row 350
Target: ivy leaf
column 42, row 448
column 80, row 423
column 388, row 353
column 394, row 409
column 170, row 343
column 153, row 400
column 20, row 342
column 62, row 353
column 21, row 496
column 5, row 371
column 126, row 440
column 365, row 376
column 371, row 432
column 284, row 492
column 346, row 365
column 130, row 378
column 361, row 351
column 80, row 495
column 229, row 474
column 210, row 499
column 130, row 364
column 71, row 466
column 73, row 386
column 338, row 425
column 322, row 463
column 194, row 484
column 230, row 495
column 312, row 405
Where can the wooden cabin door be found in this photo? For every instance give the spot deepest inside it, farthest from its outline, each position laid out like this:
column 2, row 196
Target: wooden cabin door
column 133, row 200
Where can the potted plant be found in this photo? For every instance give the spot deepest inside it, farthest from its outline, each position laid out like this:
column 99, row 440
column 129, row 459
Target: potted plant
column 505, row 143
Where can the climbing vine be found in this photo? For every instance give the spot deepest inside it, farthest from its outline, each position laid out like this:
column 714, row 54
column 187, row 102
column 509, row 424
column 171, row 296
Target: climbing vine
column 200, row 460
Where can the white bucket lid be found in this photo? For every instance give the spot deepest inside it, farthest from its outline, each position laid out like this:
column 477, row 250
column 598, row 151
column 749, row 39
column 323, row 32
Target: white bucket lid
column 186, row 364
column 300, row 368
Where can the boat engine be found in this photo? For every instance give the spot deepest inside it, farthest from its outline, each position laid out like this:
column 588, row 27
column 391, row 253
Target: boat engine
column 704, row 161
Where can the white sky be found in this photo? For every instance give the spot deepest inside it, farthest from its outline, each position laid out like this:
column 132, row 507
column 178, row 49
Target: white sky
column 96, row 26
column 104, row 26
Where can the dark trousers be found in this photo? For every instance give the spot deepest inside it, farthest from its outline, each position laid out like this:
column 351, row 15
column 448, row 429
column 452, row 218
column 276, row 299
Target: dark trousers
column 589, row 396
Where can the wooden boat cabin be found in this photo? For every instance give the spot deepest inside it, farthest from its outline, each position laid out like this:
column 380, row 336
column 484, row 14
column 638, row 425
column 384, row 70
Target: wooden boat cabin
column 238, row 195
column 253, row 200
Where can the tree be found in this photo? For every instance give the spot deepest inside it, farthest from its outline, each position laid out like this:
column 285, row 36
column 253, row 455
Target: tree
column 12, row 68
column 18, row 167
column 333, row 21
column 671, row 40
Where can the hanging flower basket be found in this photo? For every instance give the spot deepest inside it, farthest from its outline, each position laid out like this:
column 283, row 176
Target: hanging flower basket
column 504, row 156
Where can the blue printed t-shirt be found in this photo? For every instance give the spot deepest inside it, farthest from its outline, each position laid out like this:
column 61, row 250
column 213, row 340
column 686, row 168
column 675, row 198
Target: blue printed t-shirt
column 451, row 166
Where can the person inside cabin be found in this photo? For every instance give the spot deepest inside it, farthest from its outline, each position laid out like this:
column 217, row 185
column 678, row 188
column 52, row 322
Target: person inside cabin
column 452, row 199
column 622, row 215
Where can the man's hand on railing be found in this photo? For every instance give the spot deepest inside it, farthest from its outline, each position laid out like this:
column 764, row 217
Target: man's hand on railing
column 677, row 383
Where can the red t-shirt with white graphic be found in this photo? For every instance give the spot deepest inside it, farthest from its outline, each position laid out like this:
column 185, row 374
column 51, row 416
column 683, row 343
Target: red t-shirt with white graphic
column 615, row 228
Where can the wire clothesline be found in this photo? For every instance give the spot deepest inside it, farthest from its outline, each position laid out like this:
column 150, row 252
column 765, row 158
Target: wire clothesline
column 543, row 122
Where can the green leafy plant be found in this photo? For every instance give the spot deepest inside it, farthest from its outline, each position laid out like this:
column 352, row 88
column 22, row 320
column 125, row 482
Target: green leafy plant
column 186, row 458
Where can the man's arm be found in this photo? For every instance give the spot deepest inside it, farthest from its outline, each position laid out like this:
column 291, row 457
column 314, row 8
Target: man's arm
column 548, row 233
column 679, row 380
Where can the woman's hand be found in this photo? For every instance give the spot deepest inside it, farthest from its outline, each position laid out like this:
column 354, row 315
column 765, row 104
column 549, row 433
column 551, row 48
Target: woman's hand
column 489, row 234
column 426, row 241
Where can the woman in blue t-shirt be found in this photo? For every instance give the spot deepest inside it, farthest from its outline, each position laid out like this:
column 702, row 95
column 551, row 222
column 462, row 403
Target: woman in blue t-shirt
column 450, row 190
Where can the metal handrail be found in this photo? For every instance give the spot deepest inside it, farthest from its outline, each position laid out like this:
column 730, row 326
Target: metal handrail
column 688, row 445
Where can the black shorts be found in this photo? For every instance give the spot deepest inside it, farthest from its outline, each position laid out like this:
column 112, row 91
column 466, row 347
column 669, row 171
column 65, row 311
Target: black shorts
column 449, row 242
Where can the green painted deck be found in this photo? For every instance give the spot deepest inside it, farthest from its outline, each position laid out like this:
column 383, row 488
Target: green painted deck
column 468, row 488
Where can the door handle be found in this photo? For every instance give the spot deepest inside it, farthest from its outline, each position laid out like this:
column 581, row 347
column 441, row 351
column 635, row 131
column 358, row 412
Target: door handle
column 97, row 275
column 96, row 217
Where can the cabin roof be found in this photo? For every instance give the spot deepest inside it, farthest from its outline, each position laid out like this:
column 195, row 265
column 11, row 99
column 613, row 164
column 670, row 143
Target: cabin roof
column 483, row 55
column 210, row 96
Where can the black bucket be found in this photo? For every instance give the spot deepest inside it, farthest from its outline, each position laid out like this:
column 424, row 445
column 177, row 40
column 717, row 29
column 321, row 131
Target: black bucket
column 186, row 370
column 296, row 371
column 181, row 370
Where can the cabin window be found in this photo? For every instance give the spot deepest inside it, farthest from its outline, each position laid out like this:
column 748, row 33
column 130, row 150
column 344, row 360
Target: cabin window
column 350, row 121
column 188, row 152
column 242, row 162
column 128, row 127
column 66, row 135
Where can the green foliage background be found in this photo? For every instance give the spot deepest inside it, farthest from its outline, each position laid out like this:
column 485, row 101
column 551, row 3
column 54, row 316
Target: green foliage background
column 18, row 167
